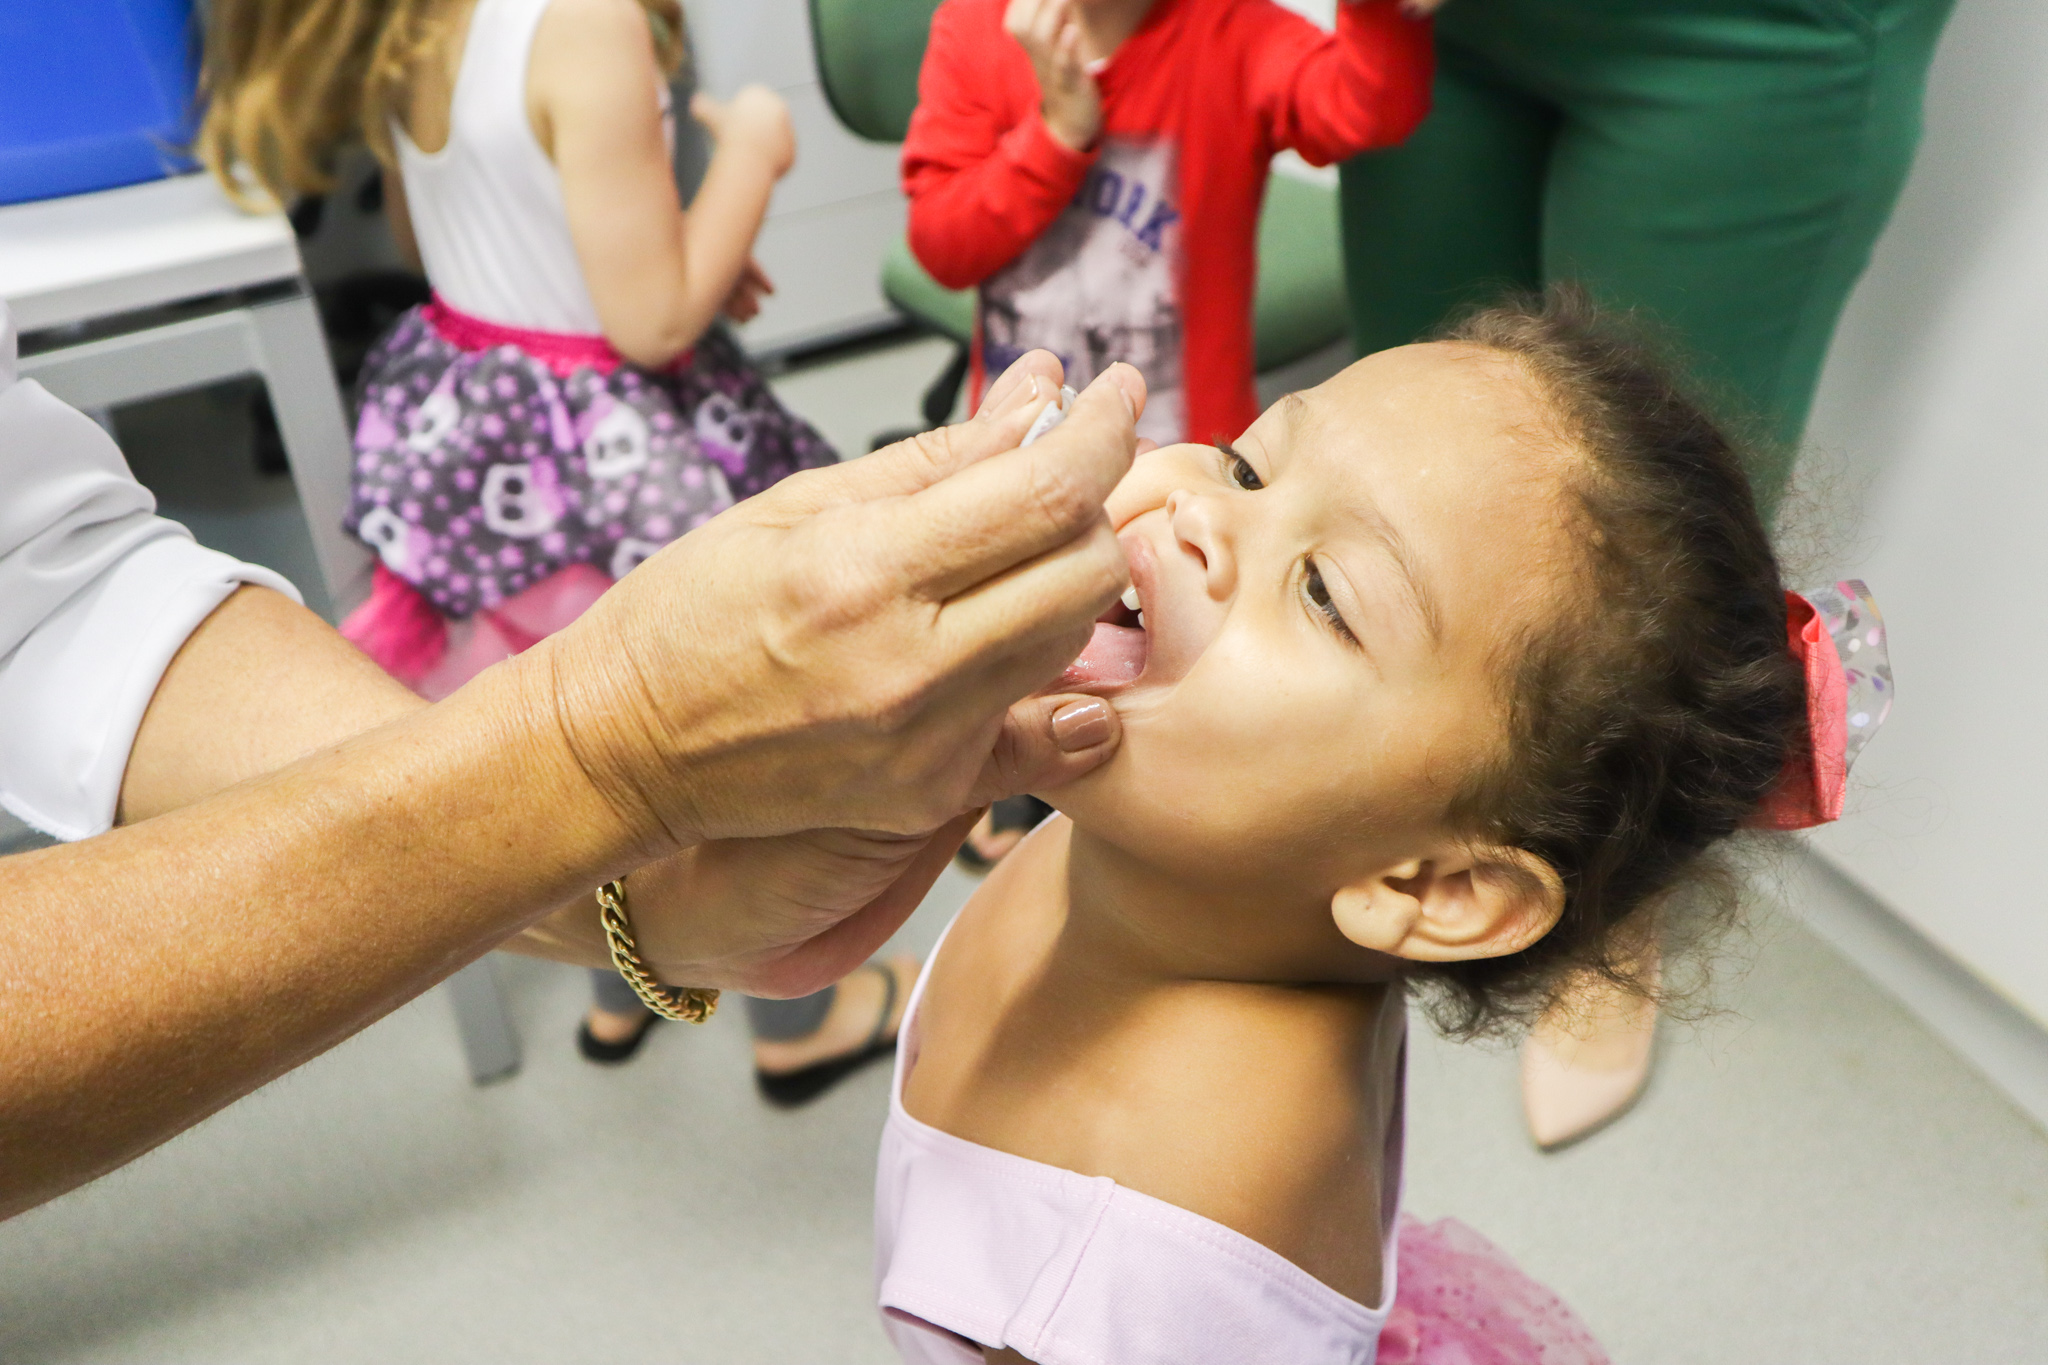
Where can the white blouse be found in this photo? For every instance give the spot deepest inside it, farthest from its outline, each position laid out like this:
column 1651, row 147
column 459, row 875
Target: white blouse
column 97, row 593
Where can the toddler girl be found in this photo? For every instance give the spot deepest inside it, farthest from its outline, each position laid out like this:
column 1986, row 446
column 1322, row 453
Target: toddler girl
column 566, row 404
column 1096, row 168
column 1449, row 675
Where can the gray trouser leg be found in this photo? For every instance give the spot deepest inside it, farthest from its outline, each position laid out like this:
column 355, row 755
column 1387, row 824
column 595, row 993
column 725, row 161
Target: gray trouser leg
column 612, row 993
column 774, row 1020
column 778, row 1021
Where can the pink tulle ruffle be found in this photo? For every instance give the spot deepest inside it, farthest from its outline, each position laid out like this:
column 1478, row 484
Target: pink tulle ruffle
column 1461, row 1300
column 401, row 631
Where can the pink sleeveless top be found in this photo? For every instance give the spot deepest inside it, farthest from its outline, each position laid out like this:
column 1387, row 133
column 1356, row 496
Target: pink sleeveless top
column 979, row 1247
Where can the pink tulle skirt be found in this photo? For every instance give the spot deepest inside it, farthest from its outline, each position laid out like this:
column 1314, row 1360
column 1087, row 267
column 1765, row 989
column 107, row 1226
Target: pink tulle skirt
column 1461, row 1300
column 433, row 655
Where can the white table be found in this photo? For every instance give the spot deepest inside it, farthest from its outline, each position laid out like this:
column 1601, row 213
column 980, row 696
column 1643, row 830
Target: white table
column 151, row 289
column 73, row 269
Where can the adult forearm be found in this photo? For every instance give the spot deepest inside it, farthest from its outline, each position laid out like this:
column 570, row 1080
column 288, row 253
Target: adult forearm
column 261, row 683
column 161, row 971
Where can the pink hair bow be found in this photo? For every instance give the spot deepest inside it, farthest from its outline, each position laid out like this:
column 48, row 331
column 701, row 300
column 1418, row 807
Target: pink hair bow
column 1838, row 637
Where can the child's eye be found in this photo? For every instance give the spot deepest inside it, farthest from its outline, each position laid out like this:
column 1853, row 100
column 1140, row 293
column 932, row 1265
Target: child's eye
column 1239, row 469
column 1318, row 594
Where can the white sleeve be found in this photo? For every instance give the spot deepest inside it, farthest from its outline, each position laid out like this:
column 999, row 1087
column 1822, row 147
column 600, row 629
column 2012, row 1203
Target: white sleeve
column 97, row 593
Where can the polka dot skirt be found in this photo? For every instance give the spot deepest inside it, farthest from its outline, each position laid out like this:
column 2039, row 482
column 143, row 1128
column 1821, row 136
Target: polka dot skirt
column 480, row 473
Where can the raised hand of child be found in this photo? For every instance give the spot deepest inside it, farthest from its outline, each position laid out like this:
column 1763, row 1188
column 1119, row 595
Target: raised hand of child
column 1049, row 31
column 744, row 303
column 1420, row 9
column 755, row 118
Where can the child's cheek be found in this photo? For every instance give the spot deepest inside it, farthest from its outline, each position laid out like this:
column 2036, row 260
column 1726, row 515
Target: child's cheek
column 1129, row 501
column 1153, row 477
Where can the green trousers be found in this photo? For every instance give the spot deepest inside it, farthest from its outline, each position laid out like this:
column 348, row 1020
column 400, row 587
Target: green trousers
column 1722, row 165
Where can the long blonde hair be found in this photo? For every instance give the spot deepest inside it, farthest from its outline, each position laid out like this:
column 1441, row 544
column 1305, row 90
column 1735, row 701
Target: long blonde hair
column 290, row 83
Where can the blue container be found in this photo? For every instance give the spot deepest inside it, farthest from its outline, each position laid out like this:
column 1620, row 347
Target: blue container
column 94, row 93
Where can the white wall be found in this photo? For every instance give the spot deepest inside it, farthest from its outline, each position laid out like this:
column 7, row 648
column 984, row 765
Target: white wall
column 1934, row 413
column 839, row 208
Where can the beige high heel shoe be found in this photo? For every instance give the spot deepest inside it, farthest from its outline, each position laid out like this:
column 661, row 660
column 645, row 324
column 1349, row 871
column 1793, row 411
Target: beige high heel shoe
column 1587, row 1062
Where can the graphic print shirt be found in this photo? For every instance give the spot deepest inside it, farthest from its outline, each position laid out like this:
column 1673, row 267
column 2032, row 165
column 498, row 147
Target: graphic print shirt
column 1143, row 247
column 1100, row 284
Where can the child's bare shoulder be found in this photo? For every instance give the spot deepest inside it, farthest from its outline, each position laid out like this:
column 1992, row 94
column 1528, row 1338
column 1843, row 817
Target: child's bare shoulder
column 615, row 18
column 583, row 51
column 588, row 39
column 1253, row 1106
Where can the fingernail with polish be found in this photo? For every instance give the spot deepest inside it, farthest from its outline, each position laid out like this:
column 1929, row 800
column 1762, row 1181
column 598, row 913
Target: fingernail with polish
column 1022, row 396
column 1081, row 725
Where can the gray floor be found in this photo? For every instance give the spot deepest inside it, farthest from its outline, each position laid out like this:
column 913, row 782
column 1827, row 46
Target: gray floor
column 1812, row 1178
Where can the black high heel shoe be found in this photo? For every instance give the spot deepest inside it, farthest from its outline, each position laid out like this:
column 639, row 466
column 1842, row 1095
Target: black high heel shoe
column 791, row 1089
column 1012, row 812
column 597, row 1050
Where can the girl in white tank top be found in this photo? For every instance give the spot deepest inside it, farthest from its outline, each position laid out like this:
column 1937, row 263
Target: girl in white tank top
column 568, row 402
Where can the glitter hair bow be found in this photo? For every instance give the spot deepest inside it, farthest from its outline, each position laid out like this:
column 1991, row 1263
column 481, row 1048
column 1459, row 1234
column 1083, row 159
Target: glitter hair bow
column 1838, row 638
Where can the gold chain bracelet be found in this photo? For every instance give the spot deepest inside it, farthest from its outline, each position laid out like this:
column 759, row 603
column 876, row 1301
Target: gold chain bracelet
column 688, row 1004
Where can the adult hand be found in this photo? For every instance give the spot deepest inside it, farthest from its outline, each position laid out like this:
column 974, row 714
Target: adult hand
column 843, row 650
column 1049, row 31
column 777, row 917
column 788, row 915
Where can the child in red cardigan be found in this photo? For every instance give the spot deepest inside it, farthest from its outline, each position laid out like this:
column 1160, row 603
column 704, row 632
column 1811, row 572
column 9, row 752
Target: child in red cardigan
column 1096, row 167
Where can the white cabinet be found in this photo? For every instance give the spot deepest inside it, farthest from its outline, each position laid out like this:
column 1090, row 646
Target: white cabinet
column 836, row 212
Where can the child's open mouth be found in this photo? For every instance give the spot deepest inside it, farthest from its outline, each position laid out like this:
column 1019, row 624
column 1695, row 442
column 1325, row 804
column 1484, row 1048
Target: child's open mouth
column 1115, row 656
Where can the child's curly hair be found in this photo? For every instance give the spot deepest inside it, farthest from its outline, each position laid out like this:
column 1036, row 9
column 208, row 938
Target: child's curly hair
column 1646, row 723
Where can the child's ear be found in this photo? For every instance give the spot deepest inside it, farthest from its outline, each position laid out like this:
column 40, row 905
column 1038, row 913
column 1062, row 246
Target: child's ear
column 1486, row 900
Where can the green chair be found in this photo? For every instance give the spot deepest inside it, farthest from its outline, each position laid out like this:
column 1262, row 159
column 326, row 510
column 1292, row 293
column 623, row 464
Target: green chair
column 868, row 54
column 1301, row 305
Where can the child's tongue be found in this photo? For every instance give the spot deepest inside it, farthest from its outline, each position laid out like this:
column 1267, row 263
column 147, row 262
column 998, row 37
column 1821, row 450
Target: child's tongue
column 1116, row 655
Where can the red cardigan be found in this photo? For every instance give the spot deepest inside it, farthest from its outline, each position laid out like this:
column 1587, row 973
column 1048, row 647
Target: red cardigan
column 1227, row 82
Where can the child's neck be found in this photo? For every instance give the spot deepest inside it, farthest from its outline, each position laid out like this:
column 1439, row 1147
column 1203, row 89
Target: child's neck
column 1106, row 24
column 1123, row 916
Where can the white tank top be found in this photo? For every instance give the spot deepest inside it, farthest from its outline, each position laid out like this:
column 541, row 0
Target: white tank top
column 487, row 208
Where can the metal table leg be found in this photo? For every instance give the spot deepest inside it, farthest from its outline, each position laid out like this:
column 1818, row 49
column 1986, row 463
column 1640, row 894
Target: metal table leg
column 489, row 1041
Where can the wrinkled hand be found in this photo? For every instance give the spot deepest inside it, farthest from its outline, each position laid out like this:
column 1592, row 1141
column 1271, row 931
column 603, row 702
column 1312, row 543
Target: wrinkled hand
column 744, row 303
column 786, row 916
column 1050, row 33
column 845, row 650
column 776, row 917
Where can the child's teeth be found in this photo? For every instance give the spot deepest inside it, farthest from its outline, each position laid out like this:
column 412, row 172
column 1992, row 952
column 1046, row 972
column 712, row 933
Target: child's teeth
column 1131, row 597
column 1141, row 620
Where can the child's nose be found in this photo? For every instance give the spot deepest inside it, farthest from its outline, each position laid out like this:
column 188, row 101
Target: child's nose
column 1198, row 530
